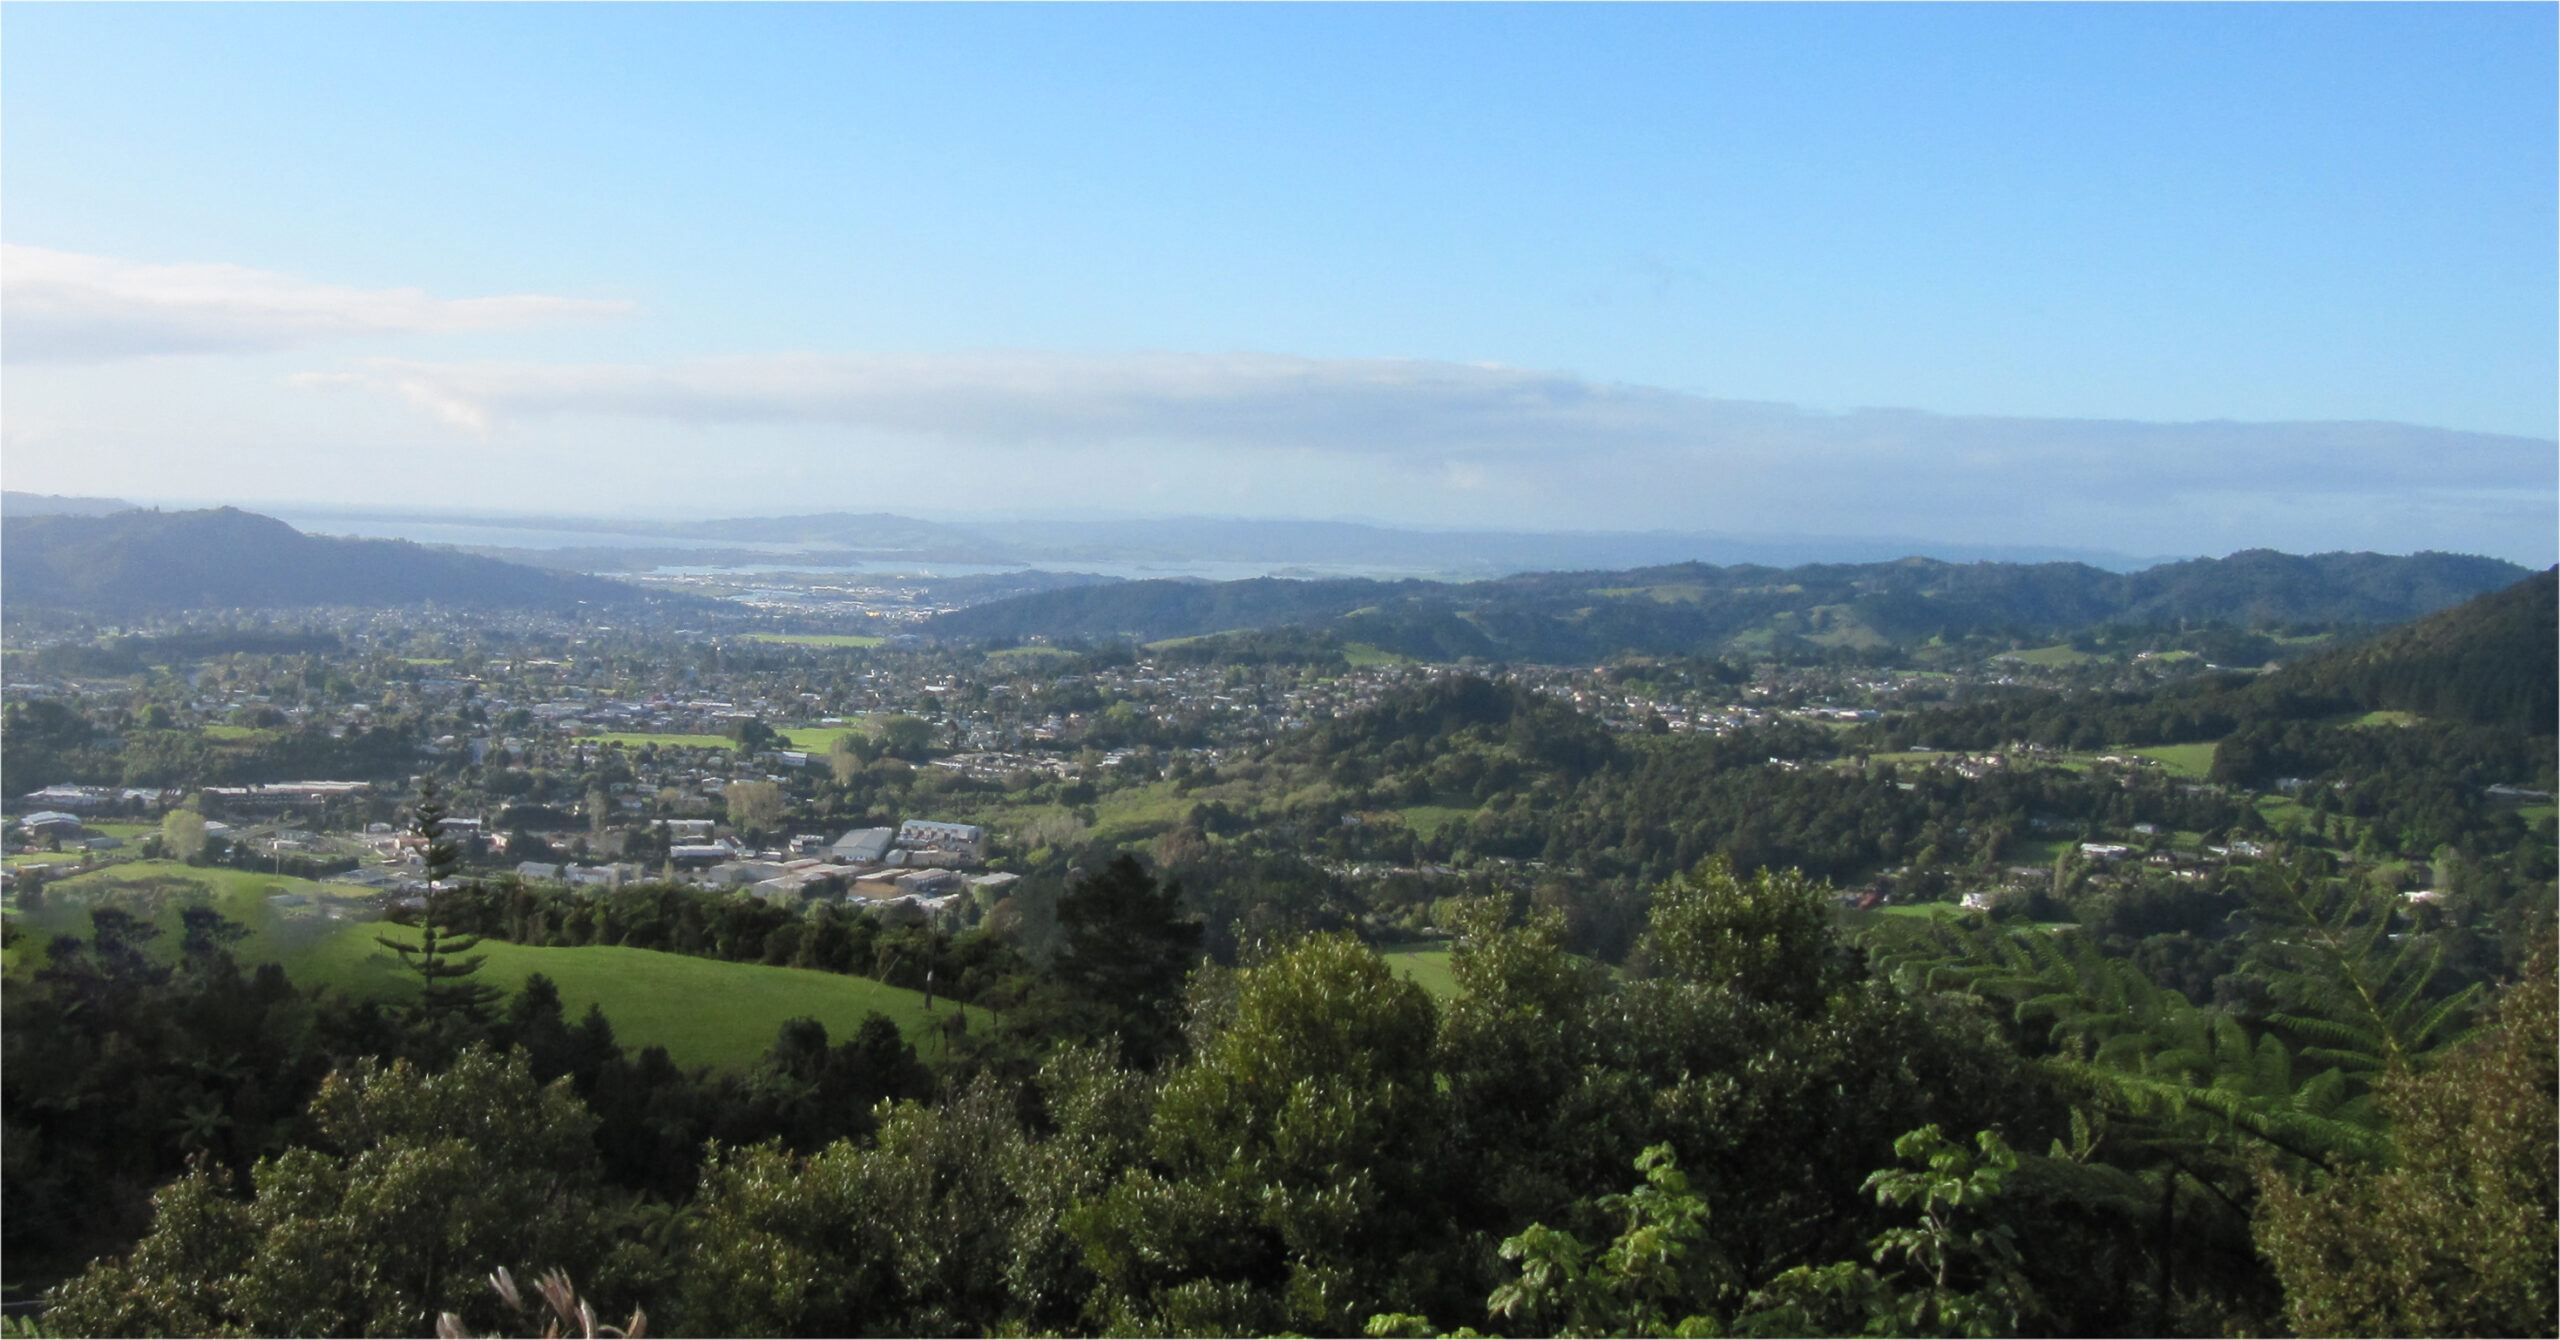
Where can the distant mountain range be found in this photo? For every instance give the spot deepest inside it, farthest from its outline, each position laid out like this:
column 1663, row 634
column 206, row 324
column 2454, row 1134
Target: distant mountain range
column 56, row 504
column 137, row 562
column 1210, row 544
column 1695, row 607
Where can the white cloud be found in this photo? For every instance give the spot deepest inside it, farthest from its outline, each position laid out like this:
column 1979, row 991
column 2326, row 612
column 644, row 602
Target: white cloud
column 61, row 306
column 1473, row 422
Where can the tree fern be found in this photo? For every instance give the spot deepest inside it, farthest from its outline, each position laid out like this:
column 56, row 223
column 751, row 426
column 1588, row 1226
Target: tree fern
column 2357, row 997
column 2192, row 1074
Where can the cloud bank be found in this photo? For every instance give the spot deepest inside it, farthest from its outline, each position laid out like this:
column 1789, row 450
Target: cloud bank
column 1472, row 421
column 61, row 306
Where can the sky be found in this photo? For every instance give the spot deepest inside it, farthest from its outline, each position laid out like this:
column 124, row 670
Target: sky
column 2171, row 279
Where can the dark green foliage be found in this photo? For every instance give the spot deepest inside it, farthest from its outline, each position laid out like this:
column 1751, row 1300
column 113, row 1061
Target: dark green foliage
column 2454, row 1233
column 416, row 1186
column 123, row 1060
column 1129, row 943
column 1767, row 939
column 2494, row 661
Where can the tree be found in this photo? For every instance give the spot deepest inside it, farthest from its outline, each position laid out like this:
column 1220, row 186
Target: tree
column 2455, row 1235
column 182, row 835
column 756, row 807
column 1294, row 1154
column 1660, row 1266
column 906, row 736
column 845, row 760
column 447, row 990
column 1768, row 939
column 1127, row 948
column 420, row 1185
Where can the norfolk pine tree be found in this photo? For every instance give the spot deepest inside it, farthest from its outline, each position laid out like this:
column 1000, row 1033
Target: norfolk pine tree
column 447, row 990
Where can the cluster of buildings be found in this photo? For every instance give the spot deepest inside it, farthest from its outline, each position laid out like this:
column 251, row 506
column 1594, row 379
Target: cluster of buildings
column 923, row 869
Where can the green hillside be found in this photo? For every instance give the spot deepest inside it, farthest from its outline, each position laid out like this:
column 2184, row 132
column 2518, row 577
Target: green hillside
column 703, row 1011
column 1690, row 608
column 2494, row 661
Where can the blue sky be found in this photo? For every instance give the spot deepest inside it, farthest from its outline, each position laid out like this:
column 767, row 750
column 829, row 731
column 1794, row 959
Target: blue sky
column 1523, row 266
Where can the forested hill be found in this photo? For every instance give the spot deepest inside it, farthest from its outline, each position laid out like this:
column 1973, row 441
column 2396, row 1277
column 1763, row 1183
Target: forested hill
column 147, row 561
column 2494, row 661
column 1696, row 607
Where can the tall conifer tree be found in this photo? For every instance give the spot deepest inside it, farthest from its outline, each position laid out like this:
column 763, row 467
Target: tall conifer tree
column 438, row 956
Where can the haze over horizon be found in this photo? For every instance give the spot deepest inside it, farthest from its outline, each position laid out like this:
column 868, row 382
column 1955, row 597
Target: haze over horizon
column 2160, row 281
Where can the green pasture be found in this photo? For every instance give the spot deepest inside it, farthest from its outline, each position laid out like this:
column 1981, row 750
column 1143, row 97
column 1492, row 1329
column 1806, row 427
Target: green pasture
column 1428, row 820
column 635, row 739
column 2182, row 760
column 703, row 1011
column 708, row 1012
column 2059, row 656
column 820, row 739
column 2387, row 719
column 1034, row 653
column 2037, row 851
column 1362, row 655
column 1427, row 963
column 818, row 639
column 1164, row 642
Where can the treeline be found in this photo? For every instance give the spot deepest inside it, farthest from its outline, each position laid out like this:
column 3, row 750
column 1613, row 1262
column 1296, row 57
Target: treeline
column 824, row 936
column 1770, row 1130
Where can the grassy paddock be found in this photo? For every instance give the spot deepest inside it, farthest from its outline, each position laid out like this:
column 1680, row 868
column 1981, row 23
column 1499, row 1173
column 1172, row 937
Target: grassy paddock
column 2182, row 760
column 820, row 739
column 1428, row 820
column 703, row 1011
column 1426, row 962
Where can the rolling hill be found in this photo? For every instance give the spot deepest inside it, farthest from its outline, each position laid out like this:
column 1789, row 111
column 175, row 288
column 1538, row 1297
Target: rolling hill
column 138, row 562
column 1696, row 607
column 2493, row 661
